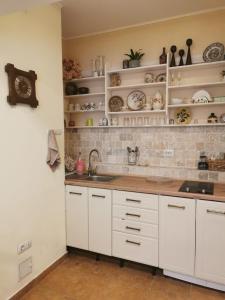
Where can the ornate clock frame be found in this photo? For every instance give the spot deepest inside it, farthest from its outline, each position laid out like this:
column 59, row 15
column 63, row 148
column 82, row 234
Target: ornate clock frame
column 14, row 76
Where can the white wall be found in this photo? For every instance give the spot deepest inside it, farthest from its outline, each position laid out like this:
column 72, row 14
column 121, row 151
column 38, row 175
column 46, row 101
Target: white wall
column 31, row 196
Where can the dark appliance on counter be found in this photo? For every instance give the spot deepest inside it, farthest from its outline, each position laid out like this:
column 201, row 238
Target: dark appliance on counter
column 197, row 187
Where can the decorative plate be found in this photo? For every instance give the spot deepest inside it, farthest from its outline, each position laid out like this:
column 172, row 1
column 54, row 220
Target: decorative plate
column 222, row 118
column 214, row 52
column 161, row 77
column 136, row 100
column 183, row 116
column 201, row 96
column 116, row 103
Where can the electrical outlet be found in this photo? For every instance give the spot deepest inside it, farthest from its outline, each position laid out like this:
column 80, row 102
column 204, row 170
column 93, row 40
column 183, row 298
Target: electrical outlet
column 168, row 153
column 25, row 268
column 24, row 246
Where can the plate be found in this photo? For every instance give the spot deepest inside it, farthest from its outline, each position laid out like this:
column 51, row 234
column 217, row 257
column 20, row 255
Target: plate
column 201, row 96
column 136, row 100
column 183, row 116
column 214, row 52
column 161, row 77
column 116, row 103
column 222, row 118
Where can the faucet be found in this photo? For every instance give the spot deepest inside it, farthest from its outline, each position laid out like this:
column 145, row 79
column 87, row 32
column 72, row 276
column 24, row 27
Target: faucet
column 91, row 170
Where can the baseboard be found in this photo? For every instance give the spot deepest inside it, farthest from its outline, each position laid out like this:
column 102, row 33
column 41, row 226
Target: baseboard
column 36, row 280
column 194, row 280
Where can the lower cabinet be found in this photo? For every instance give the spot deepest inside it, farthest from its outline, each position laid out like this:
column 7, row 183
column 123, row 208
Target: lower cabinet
column 135, row 227
column 88, row 219
column 210, row 241
column 100, row 221
column 177, row 234
column 77, row 216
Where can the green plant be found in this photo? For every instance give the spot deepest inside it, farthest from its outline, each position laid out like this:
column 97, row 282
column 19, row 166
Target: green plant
column 135, row 55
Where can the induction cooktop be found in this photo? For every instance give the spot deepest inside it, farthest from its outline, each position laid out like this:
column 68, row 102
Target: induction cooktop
column 197, row 187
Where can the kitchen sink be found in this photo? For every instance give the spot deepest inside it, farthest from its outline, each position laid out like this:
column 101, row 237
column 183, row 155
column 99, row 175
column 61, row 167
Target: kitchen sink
column 100, row 178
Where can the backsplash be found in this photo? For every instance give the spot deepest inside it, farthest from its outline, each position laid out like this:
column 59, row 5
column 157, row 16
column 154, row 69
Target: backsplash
column 152, row 142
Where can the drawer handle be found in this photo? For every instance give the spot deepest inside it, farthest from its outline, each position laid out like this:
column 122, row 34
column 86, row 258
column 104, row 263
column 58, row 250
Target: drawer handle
column 98, row 196
column 176, row 206
column 133, row 215
column 74, row 193
column 217, row 212
column 133, row 200
column 134, row 243
column 132, row 228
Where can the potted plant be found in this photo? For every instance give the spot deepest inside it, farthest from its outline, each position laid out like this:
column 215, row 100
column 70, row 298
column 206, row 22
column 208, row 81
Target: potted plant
column 135, row 58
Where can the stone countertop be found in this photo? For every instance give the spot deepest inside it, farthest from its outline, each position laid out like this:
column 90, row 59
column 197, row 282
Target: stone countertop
column 141, row 185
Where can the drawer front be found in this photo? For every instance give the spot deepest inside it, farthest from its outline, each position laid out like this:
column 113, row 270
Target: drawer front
column 73, row 190
column 135, row 214
column 139, row 200
column 99, row 193
column 135, row 248
column 137, row 228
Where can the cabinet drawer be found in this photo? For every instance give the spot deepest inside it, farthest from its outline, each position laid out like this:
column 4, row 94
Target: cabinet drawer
column 72, row 190
column 135, row 248
column 137, row 228
column 135, row 214
column 99, row 193
column 139, row 200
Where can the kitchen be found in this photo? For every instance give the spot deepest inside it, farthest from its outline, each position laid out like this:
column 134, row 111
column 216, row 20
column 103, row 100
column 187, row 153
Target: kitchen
column 144, row 192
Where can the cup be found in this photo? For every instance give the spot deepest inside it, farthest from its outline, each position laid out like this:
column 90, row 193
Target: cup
column 146, row 121
column 89, row 122
column 71, row 107
column 77, row 107
column 139, row 121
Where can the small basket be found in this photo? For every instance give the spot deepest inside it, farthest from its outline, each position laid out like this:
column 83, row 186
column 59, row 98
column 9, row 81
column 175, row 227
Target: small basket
column 217, row 165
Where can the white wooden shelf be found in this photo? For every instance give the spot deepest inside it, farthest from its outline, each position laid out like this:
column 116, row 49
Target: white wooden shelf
column 150, row 126
column 134, row 86
column 196, row 105
column 84, row 95
column 139, row 69
column 91, row 78
column 84, row 111
column 197, row 85
column 202, row 65
column 137, row 112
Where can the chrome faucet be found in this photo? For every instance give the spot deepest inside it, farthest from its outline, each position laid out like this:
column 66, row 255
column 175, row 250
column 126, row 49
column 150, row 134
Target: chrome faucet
column 91, row 170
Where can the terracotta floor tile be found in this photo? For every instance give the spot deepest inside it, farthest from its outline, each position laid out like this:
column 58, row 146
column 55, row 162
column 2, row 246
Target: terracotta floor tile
column 82, row 278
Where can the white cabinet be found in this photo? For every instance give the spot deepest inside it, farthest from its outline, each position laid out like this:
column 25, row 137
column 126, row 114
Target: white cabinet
column 210, row 241
column 135, row 227
column 177, row 234
column 100, row 224
column 77, row 216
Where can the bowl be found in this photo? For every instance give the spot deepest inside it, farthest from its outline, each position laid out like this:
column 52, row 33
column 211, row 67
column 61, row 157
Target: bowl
column 175, row 101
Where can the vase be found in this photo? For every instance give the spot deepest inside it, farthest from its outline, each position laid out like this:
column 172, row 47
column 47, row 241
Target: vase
column 134, row 63
column 163, row 57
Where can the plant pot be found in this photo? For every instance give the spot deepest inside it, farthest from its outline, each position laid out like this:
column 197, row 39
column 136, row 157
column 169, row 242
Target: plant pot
column 134, row 63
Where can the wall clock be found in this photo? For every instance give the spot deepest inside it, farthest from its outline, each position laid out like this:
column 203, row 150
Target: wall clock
column 21, row 86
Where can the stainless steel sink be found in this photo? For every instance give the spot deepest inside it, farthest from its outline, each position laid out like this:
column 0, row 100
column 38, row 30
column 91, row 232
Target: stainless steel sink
column 76, row 176
column 103, row 178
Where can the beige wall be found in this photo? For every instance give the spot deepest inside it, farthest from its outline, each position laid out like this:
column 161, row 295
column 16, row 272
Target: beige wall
column 203, row 29
column 31, row 196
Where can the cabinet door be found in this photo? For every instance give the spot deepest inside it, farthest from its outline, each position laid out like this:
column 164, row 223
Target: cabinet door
column 177, row 234
column 210, row 241
column 77, row 216
column 100, row 221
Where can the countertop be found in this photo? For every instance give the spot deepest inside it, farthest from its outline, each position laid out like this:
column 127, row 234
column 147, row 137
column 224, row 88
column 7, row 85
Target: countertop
column 141, row 185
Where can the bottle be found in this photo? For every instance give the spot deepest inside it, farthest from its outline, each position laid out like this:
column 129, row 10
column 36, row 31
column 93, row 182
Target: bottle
column 163, row 57
column 80, row 165
column 203, row 164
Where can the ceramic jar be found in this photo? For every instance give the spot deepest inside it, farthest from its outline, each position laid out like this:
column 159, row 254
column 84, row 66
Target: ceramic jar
column 157, row 101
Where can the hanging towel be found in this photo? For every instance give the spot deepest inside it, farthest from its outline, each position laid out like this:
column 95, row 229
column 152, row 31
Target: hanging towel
column 53, row 157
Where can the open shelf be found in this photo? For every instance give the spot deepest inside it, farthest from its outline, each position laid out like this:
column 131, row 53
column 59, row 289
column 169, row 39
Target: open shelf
column 137, row 112
column 91, row 78
column 197, row 85
column 202, row 65
column 143, row 68
column 84, row 95
column 84, row 111
column 133, row 86
column 197, row 104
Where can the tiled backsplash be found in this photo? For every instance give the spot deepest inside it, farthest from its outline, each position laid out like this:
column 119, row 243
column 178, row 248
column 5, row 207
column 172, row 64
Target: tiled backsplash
column 152, row 142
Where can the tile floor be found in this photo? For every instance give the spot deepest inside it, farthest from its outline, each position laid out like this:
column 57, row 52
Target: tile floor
column 80, row 277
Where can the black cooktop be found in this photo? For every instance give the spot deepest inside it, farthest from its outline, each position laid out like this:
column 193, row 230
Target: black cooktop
column 197, row 187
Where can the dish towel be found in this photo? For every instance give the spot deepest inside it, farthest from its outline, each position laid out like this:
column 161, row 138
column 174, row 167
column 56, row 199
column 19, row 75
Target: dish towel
column 53, row 157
